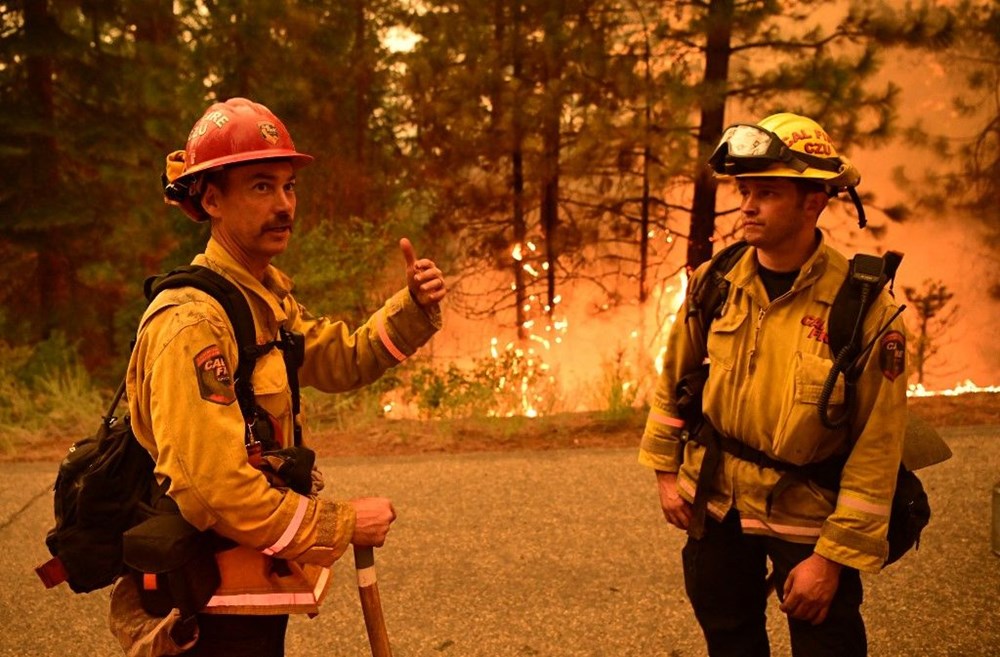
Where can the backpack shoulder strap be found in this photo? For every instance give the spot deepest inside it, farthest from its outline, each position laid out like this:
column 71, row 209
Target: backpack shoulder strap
column 237, row 310
column 710, row 291
column 867, row 275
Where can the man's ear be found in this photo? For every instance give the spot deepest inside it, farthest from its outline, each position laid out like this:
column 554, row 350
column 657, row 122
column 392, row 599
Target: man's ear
column 815, row 202
column 210, row 200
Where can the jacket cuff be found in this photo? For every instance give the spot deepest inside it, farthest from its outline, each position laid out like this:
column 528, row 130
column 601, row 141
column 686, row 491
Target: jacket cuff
column 334, row 529
column 404, row 326
column 657, row 461
column 852, row 548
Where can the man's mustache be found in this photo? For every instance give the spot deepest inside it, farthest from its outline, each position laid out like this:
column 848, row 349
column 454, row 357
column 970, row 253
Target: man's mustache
column 281, row 221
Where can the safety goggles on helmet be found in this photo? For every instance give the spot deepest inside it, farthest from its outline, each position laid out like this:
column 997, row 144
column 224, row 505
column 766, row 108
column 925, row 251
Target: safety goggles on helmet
column 746, row 148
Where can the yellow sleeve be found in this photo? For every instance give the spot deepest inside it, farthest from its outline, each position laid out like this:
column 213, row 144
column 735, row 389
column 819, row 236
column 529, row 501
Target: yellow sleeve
column 661, row 448
column 338, row 360
column 855, row 533
column 185, row 408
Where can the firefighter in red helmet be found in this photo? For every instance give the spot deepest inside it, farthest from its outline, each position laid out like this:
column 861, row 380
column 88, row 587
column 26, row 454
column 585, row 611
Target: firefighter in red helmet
column 238, row 130
column 238, row 172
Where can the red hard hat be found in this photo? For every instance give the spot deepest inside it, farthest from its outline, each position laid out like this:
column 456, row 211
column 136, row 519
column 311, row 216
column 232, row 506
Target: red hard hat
column 236, row 131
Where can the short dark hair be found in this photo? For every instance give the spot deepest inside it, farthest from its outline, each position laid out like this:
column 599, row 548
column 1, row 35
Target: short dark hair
column 812, row 186
column 215, row 177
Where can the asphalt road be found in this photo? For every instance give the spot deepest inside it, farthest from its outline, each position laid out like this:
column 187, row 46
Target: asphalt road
column 544, row 553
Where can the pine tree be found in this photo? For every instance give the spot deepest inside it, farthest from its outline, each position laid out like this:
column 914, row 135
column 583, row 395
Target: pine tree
column 764, row 57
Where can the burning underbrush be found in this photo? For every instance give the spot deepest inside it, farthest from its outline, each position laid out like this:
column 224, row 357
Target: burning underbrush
column 593, row 429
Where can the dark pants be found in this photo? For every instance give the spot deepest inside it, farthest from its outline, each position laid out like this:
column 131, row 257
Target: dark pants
column 240, row 636
column 725, row 575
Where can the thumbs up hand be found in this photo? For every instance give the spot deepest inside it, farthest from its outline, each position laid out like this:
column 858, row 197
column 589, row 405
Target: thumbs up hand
column 425, row 280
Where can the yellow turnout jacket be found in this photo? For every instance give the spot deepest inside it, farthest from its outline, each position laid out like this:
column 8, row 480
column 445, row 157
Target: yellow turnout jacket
column 184, row 412
column 768, row 362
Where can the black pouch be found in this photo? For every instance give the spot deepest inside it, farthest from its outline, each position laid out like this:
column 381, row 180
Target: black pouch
column 911, row 512
column 173, row 563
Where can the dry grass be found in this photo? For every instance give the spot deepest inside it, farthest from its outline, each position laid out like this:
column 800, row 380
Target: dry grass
column 569, row 430
column 560, row 431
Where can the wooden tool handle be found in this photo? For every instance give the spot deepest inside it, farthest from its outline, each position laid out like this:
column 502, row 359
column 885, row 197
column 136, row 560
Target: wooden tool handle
column 371, row 603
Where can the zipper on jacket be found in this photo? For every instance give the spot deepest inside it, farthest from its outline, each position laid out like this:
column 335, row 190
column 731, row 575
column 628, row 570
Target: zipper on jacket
column 756, row 341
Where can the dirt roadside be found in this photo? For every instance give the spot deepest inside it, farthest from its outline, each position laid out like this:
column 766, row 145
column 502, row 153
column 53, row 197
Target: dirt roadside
column 560, row 431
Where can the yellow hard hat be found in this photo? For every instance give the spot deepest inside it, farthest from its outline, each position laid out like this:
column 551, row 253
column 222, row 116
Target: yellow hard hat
column 783, row 145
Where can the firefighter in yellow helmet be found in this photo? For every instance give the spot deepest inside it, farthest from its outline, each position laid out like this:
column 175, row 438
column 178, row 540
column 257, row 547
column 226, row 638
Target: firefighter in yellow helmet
column 722, row 462
column 238, row 172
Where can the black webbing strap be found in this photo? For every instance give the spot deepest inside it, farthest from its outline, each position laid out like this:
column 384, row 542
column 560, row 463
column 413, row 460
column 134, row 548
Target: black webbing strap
column 709, row 466
column 293, row 350
column 241, row 318
column 825, row 473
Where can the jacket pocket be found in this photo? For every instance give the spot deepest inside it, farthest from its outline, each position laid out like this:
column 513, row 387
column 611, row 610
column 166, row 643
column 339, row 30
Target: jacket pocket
column 800, row 437
column 725, row 336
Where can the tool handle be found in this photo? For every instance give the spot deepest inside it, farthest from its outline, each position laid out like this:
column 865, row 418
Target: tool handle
column 371, row 603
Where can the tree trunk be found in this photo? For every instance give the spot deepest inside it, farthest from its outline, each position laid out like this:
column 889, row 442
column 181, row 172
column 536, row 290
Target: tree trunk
column 53, row 273
column 713, row 110
column 550, row 147
column 646, row 156
column 517, row 166
column 362, row 110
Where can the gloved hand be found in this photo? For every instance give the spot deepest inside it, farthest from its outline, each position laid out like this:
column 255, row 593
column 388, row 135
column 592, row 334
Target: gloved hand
column 293, row 467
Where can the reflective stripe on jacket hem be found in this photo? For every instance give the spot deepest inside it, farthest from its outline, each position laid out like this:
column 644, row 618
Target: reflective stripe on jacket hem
column 718, row 511
column 780, row 530
column 276, row 599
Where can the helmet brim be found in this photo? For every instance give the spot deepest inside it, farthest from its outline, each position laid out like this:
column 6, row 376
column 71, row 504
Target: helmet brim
column 297, row 159
column 848, row 176
column 190, row 207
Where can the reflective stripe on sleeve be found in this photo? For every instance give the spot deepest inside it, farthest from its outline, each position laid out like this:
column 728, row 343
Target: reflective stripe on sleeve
column 383, row 335
column 293, row 527
column 851, row 502
column 657, row 416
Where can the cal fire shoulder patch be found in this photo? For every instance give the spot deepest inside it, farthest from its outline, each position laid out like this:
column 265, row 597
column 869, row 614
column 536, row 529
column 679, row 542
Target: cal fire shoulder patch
column 214, row 378
column 892, row 355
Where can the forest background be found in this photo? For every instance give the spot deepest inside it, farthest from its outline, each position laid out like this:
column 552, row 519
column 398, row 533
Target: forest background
column 548, row 154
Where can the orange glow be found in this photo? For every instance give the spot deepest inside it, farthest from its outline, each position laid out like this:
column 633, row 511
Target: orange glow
column 962, row 388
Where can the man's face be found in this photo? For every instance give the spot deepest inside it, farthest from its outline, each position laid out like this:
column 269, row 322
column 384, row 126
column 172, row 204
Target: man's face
column 252, row 209
column 775, row 212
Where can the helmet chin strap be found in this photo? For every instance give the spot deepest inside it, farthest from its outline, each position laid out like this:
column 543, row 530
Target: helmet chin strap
column 862, row 220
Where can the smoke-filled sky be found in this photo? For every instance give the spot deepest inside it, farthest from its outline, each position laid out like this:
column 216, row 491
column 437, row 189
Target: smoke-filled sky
column 944, row 249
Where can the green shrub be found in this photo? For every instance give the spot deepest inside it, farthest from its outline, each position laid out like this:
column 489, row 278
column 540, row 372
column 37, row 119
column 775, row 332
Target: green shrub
column 624, row 383
column 510, row 382
column 347, row 410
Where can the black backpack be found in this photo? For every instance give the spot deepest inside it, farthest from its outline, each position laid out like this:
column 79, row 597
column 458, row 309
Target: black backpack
column 105, row 485
column 868, row 274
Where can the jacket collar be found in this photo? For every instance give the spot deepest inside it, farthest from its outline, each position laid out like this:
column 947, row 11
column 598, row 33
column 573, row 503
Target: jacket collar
column 744, row 274
column 272, row 291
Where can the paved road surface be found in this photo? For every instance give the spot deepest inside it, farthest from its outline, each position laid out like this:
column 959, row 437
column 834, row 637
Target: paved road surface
column 561, row 553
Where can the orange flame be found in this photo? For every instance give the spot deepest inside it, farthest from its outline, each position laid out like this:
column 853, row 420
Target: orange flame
column 961, row 388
